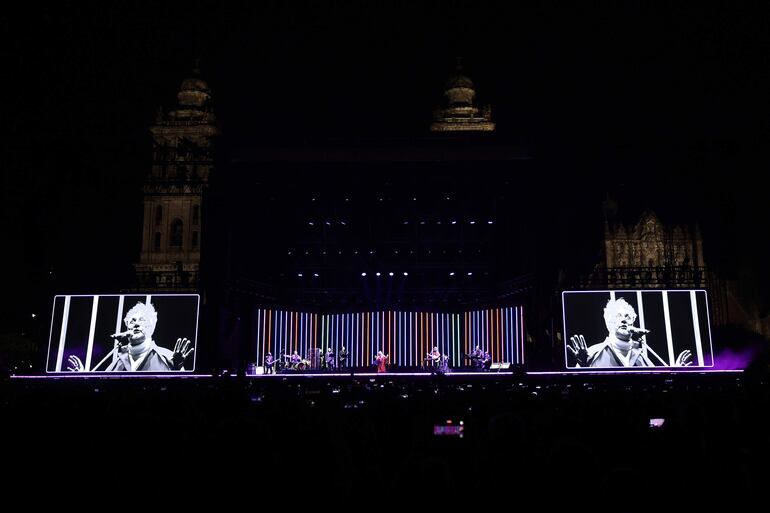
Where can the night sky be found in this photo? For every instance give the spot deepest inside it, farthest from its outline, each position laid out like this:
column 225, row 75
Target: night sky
column 661, row 108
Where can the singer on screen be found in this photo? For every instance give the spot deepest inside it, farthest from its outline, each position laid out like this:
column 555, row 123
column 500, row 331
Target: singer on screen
column 135, row 350
column 625, row 345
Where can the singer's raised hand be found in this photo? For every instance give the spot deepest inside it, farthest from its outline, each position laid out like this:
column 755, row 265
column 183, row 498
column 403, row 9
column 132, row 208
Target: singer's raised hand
column 579, row 349
column 75, row 364
column 182, row 350
column 684, row 359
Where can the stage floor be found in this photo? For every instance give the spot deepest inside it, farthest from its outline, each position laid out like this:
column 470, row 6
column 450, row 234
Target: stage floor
column 505, row 375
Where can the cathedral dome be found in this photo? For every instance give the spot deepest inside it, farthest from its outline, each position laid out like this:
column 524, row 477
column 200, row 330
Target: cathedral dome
column 194, row 84
column 459, row 91
column 459, row 113
column 459, row 81
column 194, row 92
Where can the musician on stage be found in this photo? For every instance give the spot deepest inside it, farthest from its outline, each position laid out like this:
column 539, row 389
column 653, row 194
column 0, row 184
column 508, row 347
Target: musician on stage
column 486, row 361
column 477, row 358
column 269, row 363
column 444, row 364
column 434, row 358
column 295, row 359
column 330, row 359
column 343, row 358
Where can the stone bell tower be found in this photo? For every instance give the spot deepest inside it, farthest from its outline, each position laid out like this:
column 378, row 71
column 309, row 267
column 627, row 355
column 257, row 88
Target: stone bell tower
column 173, row 190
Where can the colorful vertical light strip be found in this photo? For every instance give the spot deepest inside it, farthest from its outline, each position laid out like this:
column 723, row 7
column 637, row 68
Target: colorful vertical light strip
column 260, row 350
column 521, row 317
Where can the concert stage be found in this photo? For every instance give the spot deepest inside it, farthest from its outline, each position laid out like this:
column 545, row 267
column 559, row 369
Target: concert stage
column 460, row 376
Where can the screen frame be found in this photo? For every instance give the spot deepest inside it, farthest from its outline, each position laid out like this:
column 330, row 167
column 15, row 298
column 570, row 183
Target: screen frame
column 124, row 373
column 614, row 370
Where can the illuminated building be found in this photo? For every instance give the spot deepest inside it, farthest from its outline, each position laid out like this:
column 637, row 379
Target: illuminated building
column 173, row 190
column 459, row 114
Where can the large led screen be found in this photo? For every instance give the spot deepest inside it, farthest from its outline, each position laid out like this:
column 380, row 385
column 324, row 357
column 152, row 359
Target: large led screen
column 637, row 329
column 123, row 333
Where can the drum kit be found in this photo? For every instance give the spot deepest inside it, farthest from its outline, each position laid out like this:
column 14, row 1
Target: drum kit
column 300, row 365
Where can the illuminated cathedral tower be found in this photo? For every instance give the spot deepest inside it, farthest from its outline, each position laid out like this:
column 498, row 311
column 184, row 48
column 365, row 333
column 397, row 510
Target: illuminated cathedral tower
column 173, row 189
column 459, row 114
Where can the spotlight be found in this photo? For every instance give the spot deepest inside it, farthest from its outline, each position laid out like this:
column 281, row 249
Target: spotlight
column 470, row 274
column 490, row 222
column 454, row 222
column 452, row 273
column 315, row 274
column 34, row 315
column 363, row 274
column 406, row 273
column 299, row 275
column 310, row 223
column 473, row 222
column 376, row 274
column 390, row 274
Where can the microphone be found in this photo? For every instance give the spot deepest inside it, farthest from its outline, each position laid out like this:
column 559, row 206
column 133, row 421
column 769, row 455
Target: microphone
column 122, row 336
column 638, row 331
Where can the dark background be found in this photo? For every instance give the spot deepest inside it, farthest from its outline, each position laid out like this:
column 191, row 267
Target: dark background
column 656, row 107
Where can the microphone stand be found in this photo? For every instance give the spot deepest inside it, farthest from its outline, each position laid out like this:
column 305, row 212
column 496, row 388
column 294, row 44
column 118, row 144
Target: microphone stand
column 105, row 357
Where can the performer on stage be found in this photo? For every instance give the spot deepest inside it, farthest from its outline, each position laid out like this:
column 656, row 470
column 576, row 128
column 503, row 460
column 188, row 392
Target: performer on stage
column 382, row 360
column 269, row 363
column 434, row 358
column 477, row 358
column 486, row 361
column 444, row 365
column 330, row 359
column 343, row 358
column 295, row 359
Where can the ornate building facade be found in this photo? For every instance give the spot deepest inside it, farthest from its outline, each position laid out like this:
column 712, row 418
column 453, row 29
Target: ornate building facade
column 650, row 244
column 174, row 188
column 650, row 254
